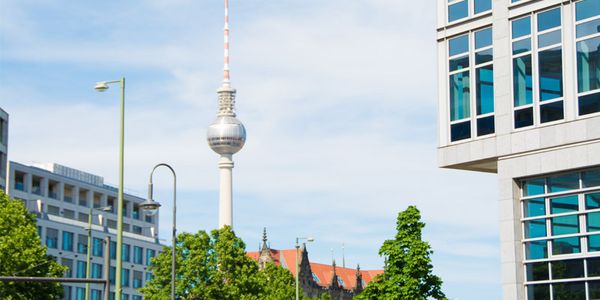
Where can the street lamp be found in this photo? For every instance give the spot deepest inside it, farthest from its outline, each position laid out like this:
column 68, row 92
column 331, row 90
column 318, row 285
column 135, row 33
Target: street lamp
column 151, row 208
column 89, row 247
column 309, row 239
column 101, row 87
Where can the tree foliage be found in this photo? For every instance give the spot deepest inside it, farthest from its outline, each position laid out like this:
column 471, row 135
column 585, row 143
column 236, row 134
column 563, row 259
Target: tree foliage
column 22, row 254
column 216, row 267
column 408, row 269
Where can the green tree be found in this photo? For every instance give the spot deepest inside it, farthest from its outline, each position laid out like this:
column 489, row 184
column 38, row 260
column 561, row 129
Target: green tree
column 408, row 270
column 22, row 254
column 216, row 267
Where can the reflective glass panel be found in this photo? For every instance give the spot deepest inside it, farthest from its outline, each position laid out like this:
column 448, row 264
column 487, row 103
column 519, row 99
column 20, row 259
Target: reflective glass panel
column 536, row 250
column 535, row 207
column 551, row 112
column 458, row 11
column 563, row 269
column 593, row 266
column 67, row 242
column 592, row 201
column 538, row 291
column 521, row 46
column 566, row 246
column 534, row 187
column 588, row 28
column 459, row 96
column 459, row 63
column 485, row 126
column 587, row 9
column 550, row 38
column 482, row 5
column 550, row 72
column 537, row 271
column 483, row 38
column 460, row 131
column 563, row 183
column 564, row 204
column 485, row 89
column 535, row 228
column 588, row 64
column 594, row 243
column 591, row 178
column 548, row 19
column 524, row 117
column 594, row 288
column 484, row 56
column 593, row 221
column 565, row 225
column 589, row 104
column 522, row 81
column 459, row 45
column 568, row 291
column 521, row 27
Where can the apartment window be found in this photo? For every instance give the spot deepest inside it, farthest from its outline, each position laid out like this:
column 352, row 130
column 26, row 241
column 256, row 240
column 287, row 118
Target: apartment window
column 136, row 229
column 150, row 253
column 112, row 275
column 111, row 223
column 81, row 269
column 125, row 252
column 125, row 211
column 149, row 276
column 67, row 290
column 20, row 181
column 69, row 264
column 97, row 200
column 137, row 279
column 69, row 214
column 460, row 9
column 83, row 197
column 51, row 238
column 136, row 212
column 138, row 255
column 80, row 294
column 125, row 277
column 83, row 217
column 96, row 294
column 68, row 193
column 53, row 189
column 136, row 297
column 97, row 247
column 537, row 68
column 67, row 241
column 53, row 210
column 82, row 243
column 110, row 201
column 561, row 235
column 36, row 185
column 113, row 250
column 469, row 54
column 96, row 271
column 587, row 18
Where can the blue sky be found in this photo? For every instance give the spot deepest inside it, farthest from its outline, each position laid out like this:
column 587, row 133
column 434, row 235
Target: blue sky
column 338, row 98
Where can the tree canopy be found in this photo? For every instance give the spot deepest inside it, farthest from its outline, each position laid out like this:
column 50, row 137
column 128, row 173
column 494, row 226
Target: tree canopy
column 215, row 266
column 408, row 269
column 22, row 254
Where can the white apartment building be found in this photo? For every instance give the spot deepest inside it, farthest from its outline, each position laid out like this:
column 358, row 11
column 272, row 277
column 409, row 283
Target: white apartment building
column 519, row 96
column 3, row 147
column 62, row 198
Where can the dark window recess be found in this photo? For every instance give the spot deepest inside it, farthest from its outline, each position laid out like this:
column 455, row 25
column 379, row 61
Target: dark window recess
column 551, row 112
column 589, row 104
column 537, row 271
column 460, row 131
column 524, row 117
column 563, row 269
column 485, row 126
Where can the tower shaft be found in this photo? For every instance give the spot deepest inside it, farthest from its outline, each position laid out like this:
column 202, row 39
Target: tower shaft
column 225, row 191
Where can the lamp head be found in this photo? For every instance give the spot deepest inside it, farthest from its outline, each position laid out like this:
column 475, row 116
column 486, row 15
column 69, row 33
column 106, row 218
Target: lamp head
column 101, row 86
column 105, row 208
column 310, row 239
column 150, row 206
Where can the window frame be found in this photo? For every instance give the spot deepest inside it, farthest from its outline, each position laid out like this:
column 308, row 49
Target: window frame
column 470, row 10
column 575, row 41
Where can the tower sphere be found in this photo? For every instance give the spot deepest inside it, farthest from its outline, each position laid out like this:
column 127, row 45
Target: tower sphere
column 226, row 135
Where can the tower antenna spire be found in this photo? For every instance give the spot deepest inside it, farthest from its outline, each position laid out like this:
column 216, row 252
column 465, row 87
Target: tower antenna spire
column 226, row 78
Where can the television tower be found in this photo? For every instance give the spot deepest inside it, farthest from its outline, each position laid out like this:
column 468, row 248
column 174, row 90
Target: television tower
column 226, row 135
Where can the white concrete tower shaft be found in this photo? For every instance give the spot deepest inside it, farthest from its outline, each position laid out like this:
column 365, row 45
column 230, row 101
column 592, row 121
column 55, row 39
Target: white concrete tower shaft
column 226, row 135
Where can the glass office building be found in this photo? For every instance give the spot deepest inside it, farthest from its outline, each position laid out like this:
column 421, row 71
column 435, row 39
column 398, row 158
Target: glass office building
column 519, row 96
column 62, row 199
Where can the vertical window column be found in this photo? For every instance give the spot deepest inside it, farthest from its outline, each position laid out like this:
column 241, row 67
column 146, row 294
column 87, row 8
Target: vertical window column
column 587, row 28
column 460, row 88
column 484, row 82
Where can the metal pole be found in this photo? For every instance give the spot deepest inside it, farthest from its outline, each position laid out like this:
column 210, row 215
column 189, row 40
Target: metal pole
column 297, row 267
column 119, row 267
column 107, row 268
column 89, row 248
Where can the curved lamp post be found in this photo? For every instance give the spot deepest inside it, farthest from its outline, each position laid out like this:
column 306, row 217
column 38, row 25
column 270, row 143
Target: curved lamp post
column 309, row 239
column 151, row 208
column 101, row 87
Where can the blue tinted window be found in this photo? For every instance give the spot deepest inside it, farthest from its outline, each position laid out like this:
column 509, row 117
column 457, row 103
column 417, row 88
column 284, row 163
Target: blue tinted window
column 460, row 131
column 563, row 183
column 81, row 269
column 125, row 252
column 535, row 207
column 566, row 246
column 536, row 250
column 522, row 46
column 588, row 65
column 549, row 19
column 587, row 9
column 485, row 126
column 482, row 5
column 97, row 247
column 588, row 28
column 67, row 242
column 458, row 11
column 593, row 222
column 564, row 204
column 125, row 277
column 484, row 56
column 591, row 178
column 550, row 72
column 459, row 45
column 524, row 117
column 96, row 271
column 550, row 38
column 459, row 63
column 484, row 81
column 521, row 27
column 459, row 96
column 534, row 187
column 551, row 112
column 80, row 293
column 535, row 228
column 522, row 81
column 565, row 225
column 594, row 243
column 483, row 38
column 592, row 201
